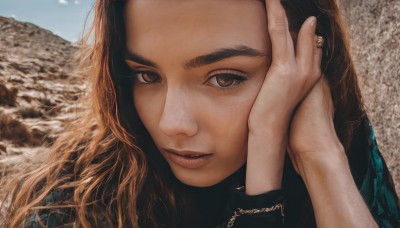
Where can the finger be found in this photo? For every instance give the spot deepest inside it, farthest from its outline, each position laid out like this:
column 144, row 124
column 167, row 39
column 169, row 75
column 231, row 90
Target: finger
column 278, row 28
column 319, row 96
column 306, row 44
column 328, row 95
column 292, row 159
column 317, row 60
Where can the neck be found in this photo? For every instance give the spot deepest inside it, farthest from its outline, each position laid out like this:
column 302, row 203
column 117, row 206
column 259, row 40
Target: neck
column 206, row 205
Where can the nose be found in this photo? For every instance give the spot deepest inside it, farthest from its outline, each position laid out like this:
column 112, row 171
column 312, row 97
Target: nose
column 178, row 116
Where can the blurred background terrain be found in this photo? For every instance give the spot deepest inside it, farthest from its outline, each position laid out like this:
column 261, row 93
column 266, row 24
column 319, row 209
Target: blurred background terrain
column 65, row 18
column 374, row 27
column 38, row 92
column 39, row 87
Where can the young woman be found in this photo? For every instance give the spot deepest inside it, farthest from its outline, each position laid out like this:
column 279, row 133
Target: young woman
column 206, row 113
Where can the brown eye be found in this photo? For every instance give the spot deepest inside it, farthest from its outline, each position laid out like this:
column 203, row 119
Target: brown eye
column 147, row 77
column 226, row 80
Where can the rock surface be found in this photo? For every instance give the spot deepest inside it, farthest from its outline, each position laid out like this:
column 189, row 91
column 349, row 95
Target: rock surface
column 38, row 90
column 374, row 27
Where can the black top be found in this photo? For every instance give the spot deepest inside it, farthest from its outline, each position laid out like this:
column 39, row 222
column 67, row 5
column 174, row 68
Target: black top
column 216, row 205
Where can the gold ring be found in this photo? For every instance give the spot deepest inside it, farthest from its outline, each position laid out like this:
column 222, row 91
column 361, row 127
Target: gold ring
column 320, row 41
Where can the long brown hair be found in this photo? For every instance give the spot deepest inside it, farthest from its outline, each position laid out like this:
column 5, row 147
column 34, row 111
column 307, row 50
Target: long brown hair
column 106, row 162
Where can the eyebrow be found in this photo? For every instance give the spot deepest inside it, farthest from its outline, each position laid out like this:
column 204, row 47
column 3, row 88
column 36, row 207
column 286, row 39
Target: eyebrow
column 218, row 55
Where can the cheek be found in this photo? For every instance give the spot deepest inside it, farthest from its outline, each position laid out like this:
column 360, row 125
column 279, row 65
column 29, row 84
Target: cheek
column 228, row 120
column 232, row 133
column 146, row 108
column 232, row 117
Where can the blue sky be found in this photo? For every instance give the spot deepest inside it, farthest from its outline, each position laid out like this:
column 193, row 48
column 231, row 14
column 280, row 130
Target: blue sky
column 65, row 18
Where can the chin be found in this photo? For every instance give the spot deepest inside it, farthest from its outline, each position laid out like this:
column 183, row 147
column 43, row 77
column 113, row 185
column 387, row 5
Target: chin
column 202, row 178
column 198, row 178
column 198, row 182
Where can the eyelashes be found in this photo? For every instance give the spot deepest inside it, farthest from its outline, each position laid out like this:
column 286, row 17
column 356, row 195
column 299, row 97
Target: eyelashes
column 226, row 80
column 223, row 80
column 146, row 77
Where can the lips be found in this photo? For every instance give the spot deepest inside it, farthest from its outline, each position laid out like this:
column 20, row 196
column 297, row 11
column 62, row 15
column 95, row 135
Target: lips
column 187, row 153
column 187, row 159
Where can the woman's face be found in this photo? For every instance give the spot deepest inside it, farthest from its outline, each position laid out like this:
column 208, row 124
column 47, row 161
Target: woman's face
column 198, row 66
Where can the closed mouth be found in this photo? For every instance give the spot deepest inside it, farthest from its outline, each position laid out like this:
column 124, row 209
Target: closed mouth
column 188, row 154
column 187, row 159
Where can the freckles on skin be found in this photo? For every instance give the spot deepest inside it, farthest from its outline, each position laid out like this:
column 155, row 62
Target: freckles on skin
column 182, row 111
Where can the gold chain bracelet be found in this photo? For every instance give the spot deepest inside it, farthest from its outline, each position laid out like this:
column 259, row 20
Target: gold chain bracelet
column 240, row 212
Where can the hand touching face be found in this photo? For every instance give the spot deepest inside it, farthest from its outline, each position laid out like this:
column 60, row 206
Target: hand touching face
column 293, row 72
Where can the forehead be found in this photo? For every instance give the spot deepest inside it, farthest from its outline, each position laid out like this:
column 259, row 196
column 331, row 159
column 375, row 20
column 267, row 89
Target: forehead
column 194, row 24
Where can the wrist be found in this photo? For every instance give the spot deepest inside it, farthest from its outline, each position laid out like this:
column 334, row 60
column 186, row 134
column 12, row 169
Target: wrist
column 277, row 124
column 333, row 191
column 322, row 154
column 323, row 163
column 254, row 211
column 265, row 159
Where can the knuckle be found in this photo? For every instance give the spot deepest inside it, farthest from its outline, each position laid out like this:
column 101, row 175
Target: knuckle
column 304, row 80
column 306, row 70
column 277, row 25
column 283, row 70
column 317, row 71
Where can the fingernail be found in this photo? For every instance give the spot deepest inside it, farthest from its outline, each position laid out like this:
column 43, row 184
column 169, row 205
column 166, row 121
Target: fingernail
column 313, row 21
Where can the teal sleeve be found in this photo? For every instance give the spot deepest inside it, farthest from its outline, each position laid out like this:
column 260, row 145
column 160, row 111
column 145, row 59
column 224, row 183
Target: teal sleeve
column 59, row 217
column 378, row 189
column 51, row 218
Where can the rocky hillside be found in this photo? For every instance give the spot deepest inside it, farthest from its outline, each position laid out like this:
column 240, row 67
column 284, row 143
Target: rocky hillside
column 37, row 91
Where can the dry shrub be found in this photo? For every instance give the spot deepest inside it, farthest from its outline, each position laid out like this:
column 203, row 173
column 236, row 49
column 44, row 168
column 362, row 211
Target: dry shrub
column 26, row 98
column 8, row 96
column 42, row 137
column 29, row 112
column 16, row 131
column 49, row 107
column 3, row 149
column 25, row 69
column 63, row 75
